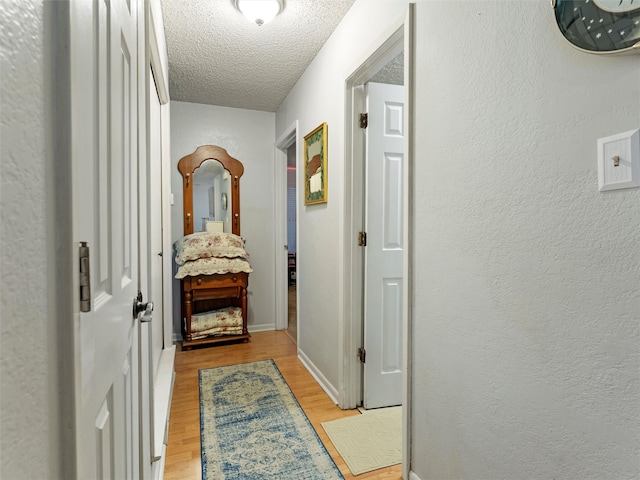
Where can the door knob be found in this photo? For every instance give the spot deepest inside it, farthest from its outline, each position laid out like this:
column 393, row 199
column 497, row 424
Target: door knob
column 146, row 308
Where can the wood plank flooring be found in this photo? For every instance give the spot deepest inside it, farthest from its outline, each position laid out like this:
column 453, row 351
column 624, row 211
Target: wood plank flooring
column 183, row 449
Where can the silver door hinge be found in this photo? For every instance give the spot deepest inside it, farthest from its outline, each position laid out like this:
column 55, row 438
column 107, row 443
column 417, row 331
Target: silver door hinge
column 85, row 278
column 362, row 354
column 362, row 239
column 364, row 120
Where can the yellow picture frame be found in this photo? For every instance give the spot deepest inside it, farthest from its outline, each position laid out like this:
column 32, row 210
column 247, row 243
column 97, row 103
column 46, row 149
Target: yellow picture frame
column 315, row 166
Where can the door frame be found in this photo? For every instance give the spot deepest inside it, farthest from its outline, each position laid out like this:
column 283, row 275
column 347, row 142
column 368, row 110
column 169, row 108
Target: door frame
column 157, row 84
column 158, row 62
column 399, row 35
column 288, row 138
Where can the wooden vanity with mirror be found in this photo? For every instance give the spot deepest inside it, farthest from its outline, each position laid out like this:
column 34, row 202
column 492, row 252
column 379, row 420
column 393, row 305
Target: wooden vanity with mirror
column 212, row 264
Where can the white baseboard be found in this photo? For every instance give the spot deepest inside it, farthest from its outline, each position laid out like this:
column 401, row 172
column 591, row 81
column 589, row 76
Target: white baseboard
column 162, row 394
column 320, row 378
column 157, row 468
column 265, row 327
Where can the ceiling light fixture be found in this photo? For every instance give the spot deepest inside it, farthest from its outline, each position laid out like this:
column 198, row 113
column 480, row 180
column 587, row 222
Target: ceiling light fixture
column 260, row 11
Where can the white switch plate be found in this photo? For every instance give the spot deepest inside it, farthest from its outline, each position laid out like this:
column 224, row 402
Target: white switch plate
column 625, row 146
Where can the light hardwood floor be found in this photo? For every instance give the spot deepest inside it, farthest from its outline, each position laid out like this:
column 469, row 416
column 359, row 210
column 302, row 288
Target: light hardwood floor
column 183, row 449
column 292, row 314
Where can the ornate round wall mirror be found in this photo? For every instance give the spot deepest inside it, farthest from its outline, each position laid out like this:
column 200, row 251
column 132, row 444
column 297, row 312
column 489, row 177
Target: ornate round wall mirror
column 600, row 26
column 211, row 184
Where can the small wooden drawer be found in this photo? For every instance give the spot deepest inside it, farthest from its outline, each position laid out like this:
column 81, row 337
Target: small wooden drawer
column 216, row 281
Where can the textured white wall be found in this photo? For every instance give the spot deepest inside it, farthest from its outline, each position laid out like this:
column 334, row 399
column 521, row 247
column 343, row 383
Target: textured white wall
column 526, row 327
column 249, row 136
column 27, row 422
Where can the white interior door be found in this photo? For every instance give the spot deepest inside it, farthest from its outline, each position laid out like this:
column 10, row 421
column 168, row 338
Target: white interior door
column 384, row 282
column 105, row 162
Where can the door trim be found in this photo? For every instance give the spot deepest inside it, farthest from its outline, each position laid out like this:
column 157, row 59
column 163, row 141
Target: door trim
column 288, row 138
column 162, row 381
column 409, row 146
column 158, row 62
column 62, row 275
column 401, row 35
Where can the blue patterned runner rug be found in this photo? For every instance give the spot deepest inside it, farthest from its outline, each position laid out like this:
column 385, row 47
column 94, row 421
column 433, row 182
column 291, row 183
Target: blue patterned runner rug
column 252, row 427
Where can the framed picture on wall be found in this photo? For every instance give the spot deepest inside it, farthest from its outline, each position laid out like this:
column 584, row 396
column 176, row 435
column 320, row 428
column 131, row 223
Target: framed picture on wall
column 315, row 166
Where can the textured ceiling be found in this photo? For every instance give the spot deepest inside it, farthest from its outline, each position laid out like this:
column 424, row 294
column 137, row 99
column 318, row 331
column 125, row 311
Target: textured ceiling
column 217, row 57
column 392, row 72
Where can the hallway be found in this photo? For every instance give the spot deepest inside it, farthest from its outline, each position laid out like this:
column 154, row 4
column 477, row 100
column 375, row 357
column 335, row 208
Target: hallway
column 183, row 449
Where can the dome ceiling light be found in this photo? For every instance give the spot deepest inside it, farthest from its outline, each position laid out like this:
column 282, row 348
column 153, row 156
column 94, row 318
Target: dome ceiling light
column 259, row 12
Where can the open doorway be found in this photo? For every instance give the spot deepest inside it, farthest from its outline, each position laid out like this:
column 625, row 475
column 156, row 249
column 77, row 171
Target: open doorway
column 292, row 317
column 286, row 212
column 396, row 49
column 379, row 187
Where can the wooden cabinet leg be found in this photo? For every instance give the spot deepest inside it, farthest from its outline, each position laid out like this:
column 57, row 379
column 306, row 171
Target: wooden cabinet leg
column 243, row 301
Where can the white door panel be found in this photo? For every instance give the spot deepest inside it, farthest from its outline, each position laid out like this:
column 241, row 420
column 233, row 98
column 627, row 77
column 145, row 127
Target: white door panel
column 384, row 282
column 104, row 150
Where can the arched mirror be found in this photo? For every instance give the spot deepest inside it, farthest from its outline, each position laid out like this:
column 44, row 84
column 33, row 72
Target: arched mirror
column 211, row 187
